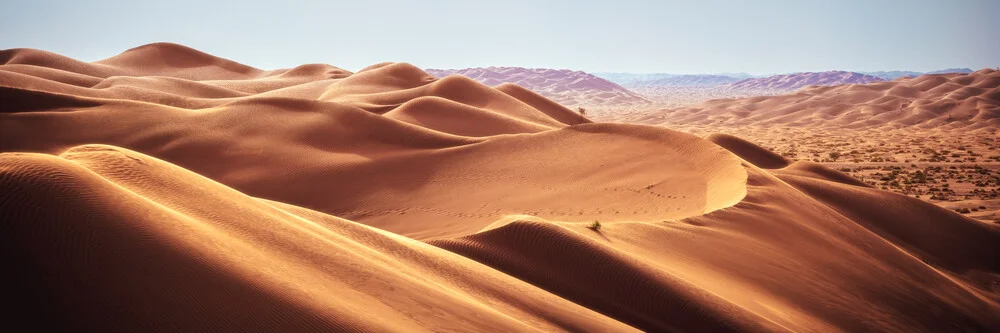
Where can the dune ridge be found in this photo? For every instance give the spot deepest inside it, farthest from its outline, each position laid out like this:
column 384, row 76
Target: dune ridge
column 566, row 87
column 166, row 189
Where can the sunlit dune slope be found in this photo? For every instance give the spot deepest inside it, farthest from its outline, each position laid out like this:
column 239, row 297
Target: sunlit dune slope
column 165, row 189
column 405, row 152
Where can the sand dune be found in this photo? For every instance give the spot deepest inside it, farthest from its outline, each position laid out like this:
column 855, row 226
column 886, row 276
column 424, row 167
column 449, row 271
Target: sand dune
column 566, row 87
column 101, row 233
column 670, row 91
column 165, row 189
column 876, row 131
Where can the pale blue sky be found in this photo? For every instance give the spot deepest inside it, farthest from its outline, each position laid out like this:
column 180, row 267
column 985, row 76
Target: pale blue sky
column 618, row 36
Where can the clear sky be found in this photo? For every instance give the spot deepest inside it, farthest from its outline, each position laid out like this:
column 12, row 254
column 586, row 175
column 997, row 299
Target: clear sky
column 599, row 36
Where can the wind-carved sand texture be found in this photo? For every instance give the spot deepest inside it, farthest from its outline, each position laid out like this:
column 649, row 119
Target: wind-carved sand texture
column 165, row 189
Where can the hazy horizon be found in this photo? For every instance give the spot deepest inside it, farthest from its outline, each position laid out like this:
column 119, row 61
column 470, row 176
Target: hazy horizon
column 759, row 38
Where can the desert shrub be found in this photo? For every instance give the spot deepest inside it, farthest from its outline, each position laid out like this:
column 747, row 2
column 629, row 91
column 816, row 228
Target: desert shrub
column 595, row 226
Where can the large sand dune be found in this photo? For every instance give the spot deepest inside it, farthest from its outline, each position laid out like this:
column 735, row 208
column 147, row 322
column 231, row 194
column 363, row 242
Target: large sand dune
column 567, row 87
column 165, row 189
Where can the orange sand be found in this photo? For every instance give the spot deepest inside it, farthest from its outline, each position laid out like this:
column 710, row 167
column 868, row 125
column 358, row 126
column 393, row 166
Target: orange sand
column 165, row 189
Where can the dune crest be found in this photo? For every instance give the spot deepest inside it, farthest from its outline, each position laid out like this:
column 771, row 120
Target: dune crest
column 166, row 189
column 566, row 87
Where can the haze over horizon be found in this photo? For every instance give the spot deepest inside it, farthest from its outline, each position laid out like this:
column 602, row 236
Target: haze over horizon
column 626, row 36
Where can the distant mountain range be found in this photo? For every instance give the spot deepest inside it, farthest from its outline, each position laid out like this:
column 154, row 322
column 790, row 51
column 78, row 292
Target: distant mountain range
column 687, row 80
column 745, row 81
column 577, row 88
column 630, row 80
column 672, row 80
column 567, row 87
column 798, row 80
column 892, row 75
column 740, row 80
column 952, row 101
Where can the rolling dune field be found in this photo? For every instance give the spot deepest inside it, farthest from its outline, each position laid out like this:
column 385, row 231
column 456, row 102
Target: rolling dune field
column 166, row 189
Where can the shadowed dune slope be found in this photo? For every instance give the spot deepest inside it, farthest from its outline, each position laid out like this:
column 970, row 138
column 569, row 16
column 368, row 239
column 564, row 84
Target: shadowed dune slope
column 550, row 108
column 777, row 164
column 750, row 152
column 99, row 227
column 17, row 100
column 934, row 101
column 165, row 189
